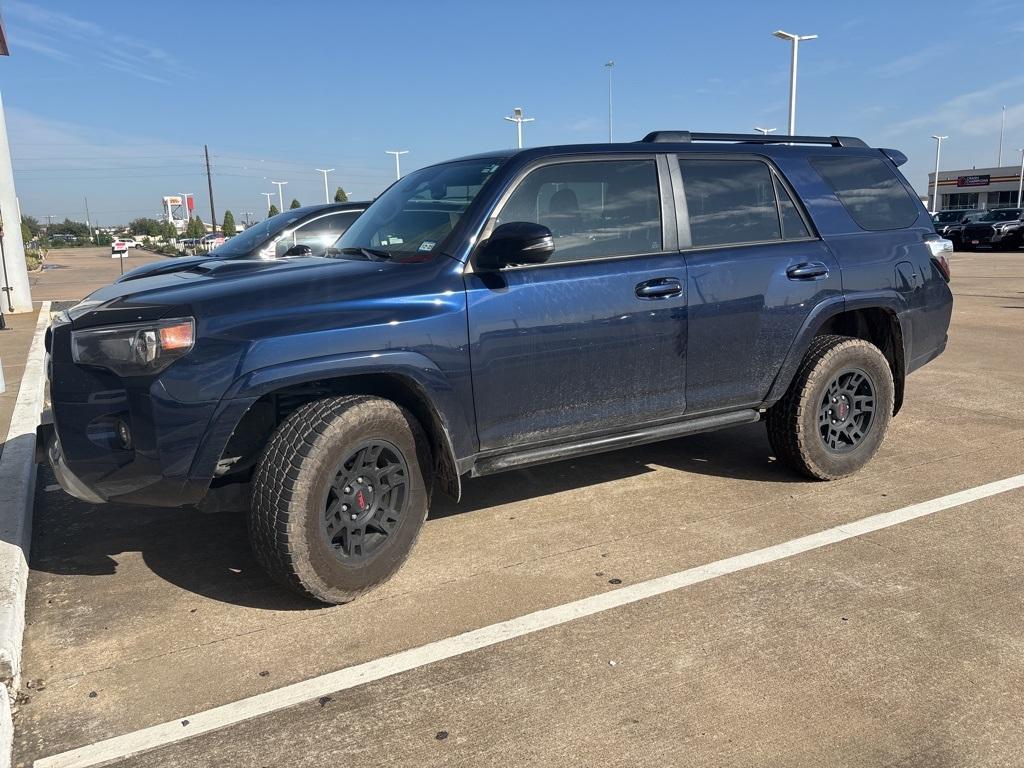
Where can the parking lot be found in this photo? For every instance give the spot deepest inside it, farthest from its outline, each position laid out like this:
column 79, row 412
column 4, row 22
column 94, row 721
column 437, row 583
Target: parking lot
column 900, row 646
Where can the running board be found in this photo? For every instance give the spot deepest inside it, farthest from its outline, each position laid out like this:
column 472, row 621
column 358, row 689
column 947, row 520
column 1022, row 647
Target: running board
column 491, row 464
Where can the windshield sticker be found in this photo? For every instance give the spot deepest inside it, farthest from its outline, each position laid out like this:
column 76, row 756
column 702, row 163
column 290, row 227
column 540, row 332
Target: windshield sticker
column 427, row 245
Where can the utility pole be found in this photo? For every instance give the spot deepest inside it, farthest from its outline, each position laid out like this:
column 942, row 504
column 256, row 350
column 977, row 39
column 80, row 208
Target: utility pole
column 325, row 171
column 209, row 184
column 247, row 215
column 280, row 194
column 398, row 166
column 609, row 65
column 796, row 40
column 765, row 131
column 935, row 188
column 267, row 195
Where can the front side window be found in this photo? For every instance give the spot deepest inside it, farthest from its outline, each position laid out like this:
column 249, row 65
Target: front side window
column 869, row 190
column 413, row 218
column 732, row 202
column 594, row 210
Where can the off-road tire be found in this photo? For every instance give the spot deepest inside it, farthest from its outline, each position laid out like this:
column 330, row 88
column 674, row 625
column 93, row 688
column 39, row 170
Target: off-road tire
column 293, row 478
column 793, row 428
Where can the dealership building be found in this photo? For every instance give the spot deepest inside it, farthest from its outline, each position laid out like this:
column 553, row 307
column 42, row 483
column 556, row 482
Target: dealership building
column 976, row 188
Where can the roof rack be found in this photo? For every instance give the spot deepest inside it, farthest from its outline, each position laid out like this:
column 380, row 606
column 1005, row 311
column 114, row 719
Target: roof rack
column 686, row 137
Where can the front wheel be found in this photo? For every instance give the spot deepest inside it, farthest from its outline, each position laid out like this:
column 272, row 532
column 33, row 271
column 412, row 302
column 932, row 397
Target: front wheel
column 339, row 496
column 835, row 414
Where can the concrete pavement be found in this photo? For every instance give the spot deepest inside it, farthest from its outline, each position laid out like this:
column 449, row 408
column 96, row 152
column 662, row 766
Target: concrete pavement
column 899, row 648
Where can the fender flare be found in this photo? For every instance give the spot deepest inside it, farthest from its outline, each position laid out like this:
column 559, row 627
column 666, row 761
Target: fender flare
column 449, row 424
column 889, row 300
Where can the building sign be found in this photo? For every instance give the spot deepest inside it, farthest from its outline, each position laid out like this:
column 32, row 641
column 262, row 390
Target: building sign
column 979, row 180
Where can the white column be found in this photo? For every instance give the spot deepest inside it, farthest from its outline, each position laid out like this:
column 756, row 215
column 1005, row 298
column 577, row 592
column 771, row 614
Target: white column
column 14, row 247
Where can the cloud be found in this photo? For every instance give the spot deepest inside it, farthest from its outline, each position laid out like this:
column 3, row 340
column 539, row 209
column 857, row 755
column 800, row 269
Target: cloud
column 66, row 38
column 912, row 62
column 974, row 113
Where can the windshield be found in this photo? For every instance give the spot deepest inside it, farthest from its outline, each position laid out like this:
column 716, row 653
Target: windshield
column 414, row 217
column 945, row 217
column 1007, row 214
column 243, row 243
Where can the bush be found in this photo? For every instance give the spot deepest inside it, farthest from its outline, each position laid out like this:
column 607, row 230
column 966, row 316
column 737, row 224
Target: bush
column 33, row 258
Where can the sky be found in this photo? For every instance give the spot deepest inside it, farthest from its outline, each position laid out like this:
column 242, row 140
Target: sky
column 113, row 100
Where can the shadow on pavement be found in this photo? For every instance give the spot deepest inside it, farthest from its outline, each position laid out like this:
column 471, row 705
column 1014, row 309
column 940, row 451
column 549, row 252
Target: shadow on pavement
column 209, row 555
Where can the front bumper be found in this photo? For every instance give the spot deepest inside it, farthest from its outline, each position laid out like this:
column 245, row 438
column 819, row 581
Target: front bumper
column 48, row 451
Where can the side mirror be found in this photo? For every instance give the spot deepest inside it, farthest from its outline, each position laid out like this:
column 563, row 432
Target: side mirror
column 299, row 250
column 517, row 242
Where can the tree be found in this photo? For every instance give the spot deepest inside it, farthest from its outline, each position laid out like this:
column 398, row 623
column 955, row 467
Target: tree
column 227, row 227
column 195, row 227
column 168, row 230
column 69, row 227
column 295, row 204
column 30, row 228
column 340, row 196
column 273, row 211
column 145, row 227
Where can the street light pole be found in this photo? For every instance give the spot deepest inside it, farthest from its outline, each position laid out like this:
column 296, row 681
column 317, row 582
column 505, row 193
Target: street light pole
column 765, row 131
column 609, row 65
column 1002, row 125
column 517, row 118
column 398, row 166
column 280, row 193
column 1020, row 184
column 795, row 39
column 325, row 171
column 935, row 188
column 268, row 195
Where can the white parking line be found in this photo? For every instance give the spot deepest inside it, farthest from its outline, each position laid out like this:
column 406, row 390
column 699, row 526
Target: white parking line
column 52, row 487
column 193, row 725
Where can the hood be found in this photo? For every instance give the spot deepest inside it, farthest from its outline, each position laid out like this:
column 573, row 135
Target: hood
column 205, row 285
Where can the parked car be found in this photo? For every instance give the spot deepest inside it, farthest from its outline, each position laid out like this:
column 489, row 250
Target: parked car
column 306, row 231
column 496, row 312
column 212, row 240
column 130, row 241
column 1000, row 228
column 953, row 231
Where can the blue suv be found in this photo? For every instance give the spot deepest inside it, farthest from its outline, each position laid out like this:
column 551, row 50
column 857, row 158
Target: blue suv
column 498, row 311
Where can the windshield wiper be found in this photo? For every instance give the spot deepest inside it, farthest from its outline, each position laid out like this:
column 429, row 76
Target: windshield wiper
column 370, row 254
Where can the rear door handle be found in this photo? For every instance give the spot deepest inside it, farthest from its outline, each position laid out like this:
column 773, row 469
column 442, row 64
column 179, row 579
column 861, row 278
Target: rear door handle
column 813, row 270
column 659, row 288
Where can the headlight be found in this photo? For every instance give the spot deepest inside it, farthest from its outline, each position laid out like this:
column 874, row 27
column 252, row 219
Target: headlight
column 134, row 349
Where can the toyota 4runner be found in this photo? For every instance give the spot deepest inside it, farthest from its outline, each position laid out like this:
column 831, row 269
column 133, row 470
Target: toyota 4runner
column 499, row 311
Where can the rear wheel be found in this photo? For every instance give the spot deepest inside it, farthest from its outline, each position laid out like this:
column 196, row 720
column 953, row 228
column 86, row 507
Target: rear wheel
column 834, row 416
column 339, row 496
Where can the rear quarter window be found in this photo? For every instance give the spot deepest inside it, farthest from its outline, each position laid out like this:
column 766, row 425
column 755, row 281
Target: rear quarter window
column 869, row 190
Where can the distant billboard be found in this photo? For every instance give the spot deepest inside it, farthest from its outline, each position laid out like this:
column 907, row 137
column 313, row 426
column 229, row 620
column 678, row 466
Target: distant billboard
column 976, row 180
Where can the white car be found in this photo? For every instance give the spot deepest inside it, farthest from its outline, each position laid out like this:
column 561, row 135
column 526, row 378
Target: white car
column 130, row 242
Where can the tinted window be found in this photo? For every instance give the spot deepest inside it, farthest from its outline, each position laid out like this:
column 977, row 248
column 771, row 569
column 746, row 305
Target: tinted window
column 869, row 191
column 318, row 234
column 793, row 227
column 593, row 209
column 413, row 218
column 730, row 201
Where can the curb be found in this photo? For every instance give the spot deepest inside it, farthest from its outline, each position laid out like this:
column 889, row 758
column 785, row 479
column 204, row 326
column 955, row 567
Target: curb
column 17, row 478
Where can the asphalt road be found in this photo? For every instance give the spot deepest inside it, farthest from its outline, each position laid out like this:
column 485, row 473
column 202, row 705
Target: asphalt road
column 69, row 274
column 899, row 647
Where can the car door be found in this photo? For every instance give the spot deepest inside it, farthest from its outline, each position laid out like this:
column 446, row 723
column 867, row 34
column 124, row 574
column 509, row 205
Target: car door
column 755, row 271
column 594, row 340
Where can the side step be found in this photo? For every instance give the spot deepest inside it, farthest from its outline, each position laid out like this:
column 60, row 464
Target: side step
column 530, row 456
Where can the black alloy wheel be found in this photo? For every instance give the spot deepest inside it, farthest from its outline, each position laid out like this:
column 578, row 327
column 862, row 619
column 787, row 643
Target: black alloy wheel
column 846, row 410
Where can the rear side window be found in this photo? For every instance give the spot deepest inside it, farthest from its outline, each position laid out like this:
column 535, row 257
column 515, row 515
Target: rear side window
column 793, row 227
column 869, row 190
column 730, row 202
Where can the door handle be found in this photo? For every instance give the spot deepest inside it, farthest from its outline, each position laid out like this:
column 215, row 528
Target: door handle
column 659, row 288
column 813, row 270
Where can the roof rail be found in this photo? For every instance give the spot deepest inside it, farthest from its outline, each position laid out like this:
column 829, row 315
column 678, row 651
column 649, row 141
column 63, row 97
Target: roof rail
column 686, row 137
